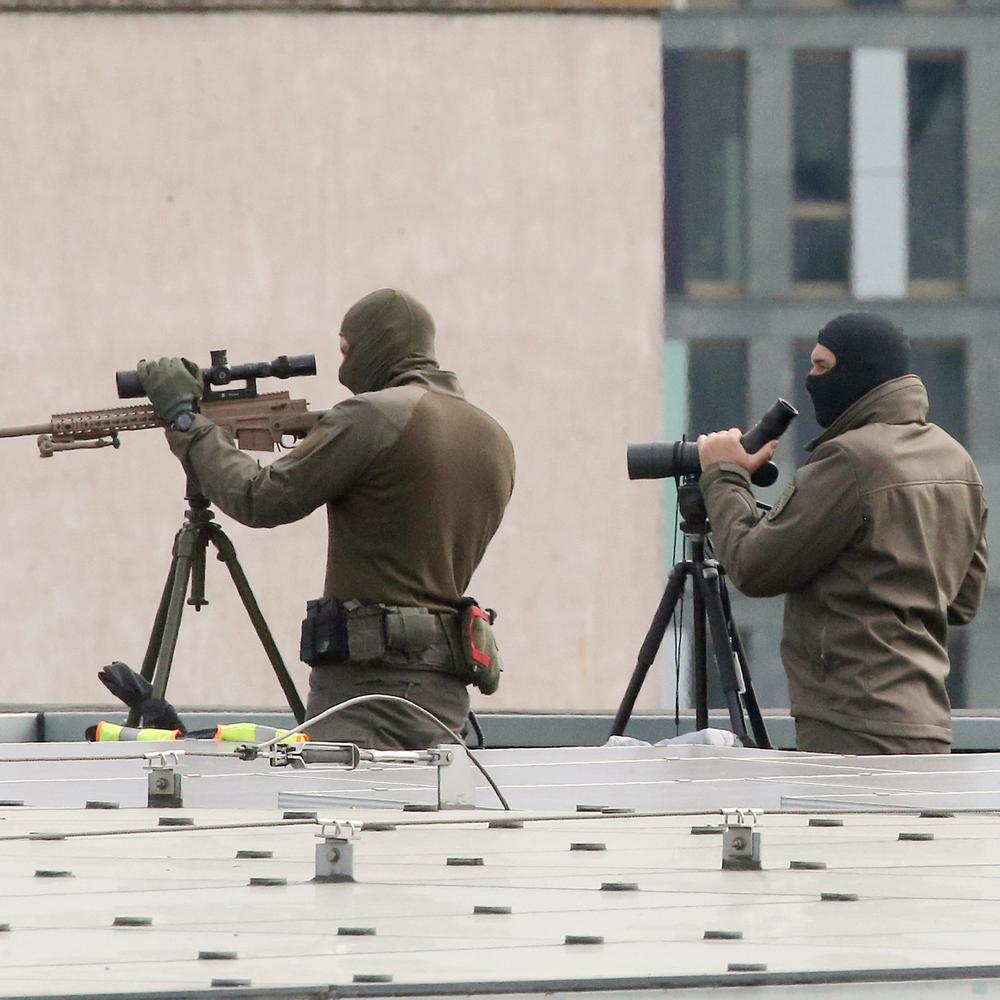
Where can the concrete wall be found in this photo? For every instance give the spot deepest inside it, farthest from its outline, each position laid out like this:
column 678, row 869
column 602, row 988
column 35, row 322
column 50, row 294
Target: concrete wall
column 175, row 183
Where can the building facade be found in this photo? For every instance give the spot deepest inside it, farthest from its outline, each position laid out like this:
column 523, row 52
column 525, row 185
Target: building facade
column 822, row 158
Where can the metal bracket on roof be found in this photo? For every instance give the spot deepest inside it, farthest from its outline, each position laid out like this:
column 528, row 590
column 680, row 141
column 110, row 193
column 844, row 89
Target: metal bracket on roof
column 740, row 842
column 335, row 850
column 456, row 785
column 163, row 784
column 456, row 780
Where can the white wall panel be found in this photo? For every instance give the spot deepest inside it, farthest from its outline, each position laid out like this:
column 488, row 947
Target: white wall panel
column 180, row 182
column 878, row 173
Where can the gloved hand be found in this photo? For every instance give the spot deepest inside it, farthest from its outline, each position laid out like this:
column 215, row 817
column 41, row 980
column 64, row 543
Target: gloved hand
column 174, row 387
column 133, row 689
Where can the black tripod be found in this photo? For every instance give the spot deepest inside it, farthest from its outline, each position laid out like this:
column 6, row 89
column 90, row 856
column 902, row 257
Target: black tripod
column 188, row 566
column 712, row 614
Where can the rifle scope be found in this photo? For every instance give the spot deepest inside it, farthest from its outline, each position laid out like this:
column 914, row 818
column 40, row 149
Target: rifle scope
column 221, row 372
column 661, row 460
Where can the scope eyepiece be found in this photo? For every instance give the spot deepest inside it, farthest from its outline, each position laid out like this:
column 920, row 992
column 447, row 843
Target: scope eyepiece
column 772, row 425
column 673, row 459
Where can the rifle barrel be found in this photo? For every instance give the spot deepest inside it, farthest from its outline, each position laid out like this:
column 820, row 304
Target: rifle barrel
column 28, row 430
column 258, row 422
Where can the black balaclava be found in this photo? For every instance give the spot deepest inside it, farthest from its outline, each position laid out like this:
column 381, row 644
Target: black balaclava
column 869, row 350
column 389, row 332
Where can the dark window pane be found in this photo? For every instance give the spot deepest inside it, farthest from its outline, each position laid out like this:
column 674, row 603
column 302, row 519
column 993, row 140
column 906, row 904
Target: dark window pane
column 937, row 168
column 941, row 364
column 704, row 128
column 714, row 4
column 821, row 250
column 717, row 388
column 822, row 137
column 957, row 682
column 715, row 693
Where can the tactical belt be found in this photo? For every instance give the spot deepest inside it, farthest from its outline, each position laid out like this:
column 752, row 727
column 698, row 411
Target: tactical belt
column 459, row 643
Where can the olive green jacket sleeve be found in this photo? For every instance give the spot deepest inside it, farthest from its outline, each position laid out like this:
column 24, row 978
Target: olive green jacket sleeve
column 332, row 457
column 810, row 524
column 963, row 608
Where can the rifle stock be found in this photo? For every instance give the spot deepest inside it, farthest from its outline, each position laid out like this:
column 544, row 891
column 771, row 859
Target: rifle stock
column 256, row 423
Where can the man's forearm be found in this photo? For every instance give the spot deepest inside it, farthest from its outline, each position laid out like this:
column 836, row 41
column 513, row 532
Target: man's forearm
column 807, row 527
column 230, row 478
column 733, row 516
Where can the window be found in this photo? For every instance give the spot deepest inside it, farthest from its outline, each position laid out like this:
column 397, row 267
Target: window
column 717, row 385
column 936, row 141
column 941, row 365
column 821, row 212
column 907, row 200
column 705, row 163
column 957, row 681
column 708, row 4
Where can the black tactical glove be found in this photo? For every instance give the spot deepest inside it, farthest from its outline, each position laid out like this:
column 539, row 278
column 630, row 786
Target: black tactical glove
column 174, row 387
column 133, row 689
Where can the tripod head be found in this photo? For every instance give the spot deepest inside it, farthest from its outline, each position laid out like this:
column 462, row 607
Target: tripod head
column 691, row 503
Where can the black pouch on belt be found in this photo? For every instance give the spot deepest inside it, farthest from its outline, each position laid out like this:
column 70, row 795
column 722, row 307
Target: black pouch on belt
column 324, row 633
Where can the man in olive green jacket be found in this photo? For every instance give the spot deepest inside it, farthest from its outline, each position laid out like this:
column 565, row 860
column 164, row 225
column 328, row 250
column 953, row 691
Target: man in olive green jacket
column 415, row 480
column 879, row 543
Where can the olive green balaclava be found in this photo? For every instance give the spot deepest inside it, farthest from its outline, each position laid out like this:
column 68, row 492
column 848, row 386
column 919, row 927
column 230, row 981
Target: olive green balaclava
column 390, row 332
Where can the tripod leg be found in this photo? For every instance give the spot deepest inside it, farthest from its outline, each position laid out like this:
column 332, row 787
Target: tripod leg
column 708, row 581
column 171, row 626
column 700, row 658
column 156, row 634
column 227, row 554
column 650, row 645
column 749, row 695
column 197, row 599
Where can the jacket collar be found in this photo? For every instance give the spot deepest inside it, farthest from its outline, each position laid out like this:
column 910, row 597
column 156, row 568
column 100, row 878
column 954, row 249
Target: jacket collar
column 429, row 377
column 899, row 401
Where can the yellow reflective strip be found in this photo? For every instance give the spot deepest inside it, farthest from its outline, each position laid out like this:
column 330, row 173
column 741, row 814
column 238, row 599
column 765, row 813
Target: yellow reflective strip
column 108, row 732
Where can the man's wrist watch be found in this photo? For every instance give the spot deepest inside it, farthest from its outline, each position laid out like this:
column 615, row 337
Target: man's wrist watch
column 183, row 421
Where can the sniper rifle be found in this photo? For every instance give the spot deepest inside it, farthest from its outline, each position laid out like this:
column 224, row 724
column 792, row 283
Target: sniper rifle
column 255, row 421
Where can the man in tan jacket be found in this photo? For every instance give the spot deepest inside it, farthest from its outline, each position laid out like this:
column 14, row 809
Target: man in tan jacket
column 415, row 480
column 879, row 544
